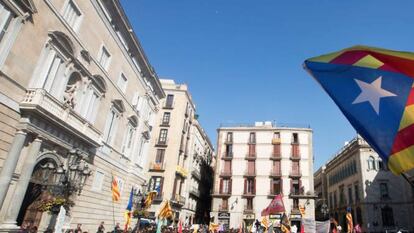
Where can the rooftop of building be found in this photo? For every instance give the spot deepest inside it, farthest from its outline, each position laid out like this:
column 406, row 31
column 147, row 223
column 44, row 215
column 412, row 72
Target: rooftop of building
column 265, row 125
column 171, row 85
column 343, row 151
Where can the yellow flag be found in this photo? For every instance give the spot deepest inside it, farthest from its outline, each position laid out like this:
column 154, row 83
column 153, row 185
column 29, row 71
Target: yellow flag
column 166, row 211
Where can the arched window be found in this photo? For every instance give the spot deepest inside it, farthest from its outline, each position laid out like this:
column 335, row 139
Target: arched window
column 371, row 163
column 92, row 92
column 51, row 71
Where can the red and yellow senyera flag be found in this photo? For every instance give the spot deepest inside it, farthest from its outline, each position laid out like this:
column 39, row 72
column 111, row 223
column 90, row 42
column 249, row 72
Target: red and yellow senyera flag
column 116, row 195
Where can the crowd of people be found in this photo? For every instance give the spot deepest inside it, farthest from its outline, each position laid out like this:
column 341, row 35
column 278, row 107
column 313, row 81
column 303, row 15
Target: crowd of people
column 257, row 227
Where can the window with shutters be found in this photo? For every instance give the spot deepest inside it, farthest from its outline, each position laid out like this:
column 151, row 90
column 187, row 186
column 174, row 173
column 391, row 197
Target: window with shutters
column 227, row 167
column 229, row 137
column 104, row 58
column 72, row 15
column 159, row 158
column 252, row 138
column 276, row 169
column 229, row 150
column 249, row 204
column 350, row 199
column 10, row 24
column 250, row 186
column 295, row 187
column 341, row 195
column 6, row 20
column 276, row 151
column 251, row 170
column 226, row 186
column 371, row 163
column 122, row 82
column 356, row 189
column 224, row 204
column 295, row 168
column 111, row 125
column 169, row 101
column 129, row 137
column 276, row 186
column 252, row 150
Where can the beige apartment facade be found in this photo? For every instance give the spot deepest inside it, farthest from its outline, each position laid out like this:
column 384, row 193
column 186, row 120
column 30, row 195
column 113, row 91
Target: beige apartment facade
column 180, row 145
column 76, row 88
column 357, row 178
column 257, row 162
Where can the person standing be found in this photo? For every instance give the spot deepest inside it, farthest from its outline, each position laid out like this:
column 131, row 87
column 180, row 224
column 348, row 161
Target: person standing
column 357, row 228
column 101, row 228
column 78, row 228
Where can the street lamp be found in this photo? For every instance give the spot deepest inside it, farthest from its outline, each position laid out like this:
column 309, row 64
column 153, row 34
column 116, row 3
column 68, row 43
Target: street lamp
column 65, row 179
column 72, row 177
column 139, row 202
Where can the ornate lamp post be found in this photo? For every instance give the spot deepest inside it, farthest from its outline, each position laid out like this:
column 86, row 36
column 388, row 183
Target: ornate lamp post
column 139, row 202
column 67, row 178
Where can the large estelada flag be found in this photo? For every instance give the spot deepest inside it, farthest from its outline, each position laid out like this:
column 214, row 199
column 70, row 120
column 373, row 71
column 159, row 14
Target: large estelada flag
column 374, row 89
column 276, row 206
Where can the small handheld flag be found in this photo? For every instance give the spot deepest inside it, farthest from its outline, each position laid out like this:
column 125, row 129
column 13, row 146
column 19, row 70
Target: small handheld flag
column 374, row 90
column 116, row 196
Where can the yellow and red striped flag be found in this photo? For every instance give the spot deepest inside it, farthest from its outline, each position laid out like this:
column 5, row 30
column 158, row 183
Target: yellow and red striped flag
column 116, row 195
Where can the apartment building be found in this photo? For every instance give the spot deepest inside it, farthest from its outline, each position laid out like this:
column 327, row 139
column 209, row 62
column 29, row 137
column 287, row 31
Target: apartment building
column 357, row 178
column 257, row 162
column 77, row 96
column 180, row 149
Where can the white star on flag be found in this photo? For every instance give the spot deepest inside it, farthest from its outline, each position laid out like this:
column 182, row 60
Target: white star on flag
column 372, row 92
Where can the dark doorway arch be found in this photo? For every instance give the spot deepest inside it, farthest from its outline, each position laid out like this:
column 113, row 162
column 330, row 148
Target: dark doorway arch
column 29, row 212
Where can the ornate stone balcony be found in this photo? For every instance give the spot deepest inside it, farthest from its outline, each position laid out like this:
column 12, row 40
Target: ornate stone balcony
column 178, row 200
column 41, row 102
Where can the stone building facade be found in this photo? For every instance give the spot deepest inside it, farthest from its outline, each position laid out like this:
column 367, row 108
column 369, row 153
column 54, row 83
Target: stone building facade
column 356, row 177
column 257, row 162
column 73, row 76
column 180, row 148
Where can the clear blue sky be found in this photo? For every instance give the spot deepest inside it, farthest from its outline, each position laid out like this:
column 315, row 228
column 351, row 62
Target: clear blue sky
column 242, row 59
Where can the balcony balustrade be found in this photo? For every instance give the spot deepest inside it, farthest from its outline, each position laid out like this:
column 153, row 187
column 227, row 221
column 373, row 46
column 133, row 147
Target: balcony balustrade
column 157, row 167
column 40, row 101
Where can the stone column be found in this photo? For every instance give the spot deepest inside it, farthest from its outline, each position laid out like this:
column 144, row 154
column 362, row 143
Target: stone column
column 10, row 164
column 22, row 184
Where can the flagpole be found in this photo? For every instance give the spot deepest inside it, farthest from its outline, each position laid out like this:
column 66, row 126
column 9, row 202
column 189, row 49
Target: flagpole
column 405, row 176
column 113, row 204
